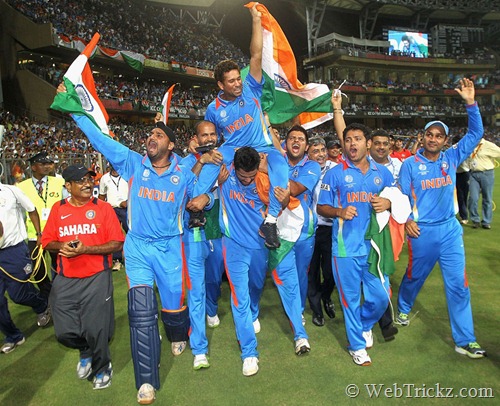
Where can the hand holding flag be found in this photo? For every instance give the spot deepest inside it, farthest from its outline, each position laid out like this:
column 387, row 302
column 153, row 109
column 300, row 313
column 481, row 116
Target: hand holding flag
column 284, row 96
column 81, row 97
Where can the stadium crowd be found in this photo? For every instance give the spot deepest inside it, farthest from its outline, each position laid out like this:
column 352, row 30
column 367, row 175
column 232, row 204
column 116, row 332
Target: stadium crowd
column 202, row 46
column 25, row 136
column 169, row 199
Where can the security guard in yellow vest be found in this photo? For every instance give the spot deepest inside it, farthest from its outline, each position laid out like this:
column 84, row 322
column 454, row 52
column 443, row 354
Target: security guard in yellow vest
column 43, row 191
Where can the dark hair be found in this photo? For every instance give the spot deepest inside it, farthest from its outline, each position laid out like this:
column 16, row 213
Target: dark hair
column 333, row 144
column 357, row 126
column 380, row 133
column 223, row 67
column 246, row 159
column 298, row 128
column 203, row 122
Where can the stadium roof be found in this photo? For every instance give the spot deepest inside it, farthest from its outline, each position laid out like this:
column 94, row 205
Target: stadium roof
column 462, row 8
column 489, row 10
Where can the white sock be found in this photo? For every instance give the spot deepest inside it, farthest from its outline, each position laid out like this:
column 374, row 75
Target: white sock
column 271, row 219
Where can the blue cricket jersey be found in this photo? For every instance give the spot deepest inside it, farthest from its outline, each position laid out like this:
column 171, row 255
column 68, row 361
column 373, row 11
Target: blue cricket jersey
column 307, row 173
column 155, row 202
column 241, row 121
column 345, row 185
column 430, row 185
column 195, row 234
column 241, row 212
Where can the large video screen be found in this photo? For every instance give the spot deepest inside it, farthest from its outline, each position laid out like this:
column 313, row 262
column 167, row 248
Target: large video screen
column 407, row 43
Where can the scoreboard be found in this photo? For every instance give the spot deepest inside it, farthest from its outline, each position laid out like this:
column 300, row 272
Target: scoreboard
column 454, row 40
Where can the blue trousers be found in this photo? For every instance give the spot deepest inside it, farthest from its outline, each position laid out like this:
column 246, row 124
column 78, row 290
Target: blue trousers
column 286, row 278
column 481, row 182
column 352, row 277
column 196, row 254
column 304, row 250
column 17, row 262
column 277, row 171
column 214, row 269
column 440, row 243
column 246, row 271
column 157, row 261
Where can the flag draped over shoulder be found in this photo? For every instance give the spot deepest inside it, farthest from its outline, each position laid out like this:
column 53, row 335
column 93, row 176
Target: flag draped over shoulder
column 284, row 96
column 165, row 103
column 81, row 97
column 290, row 221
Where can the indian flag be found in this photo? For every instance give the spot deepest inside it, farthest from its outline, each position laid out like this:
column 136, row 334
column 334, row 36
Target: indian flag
column 285, row 97
column 290, row 221
column 165, row 103
column 81, row 96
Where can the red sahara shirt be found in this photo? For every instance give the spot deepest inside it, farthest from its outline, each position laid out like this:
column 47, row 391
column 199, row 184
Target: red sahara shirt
column 95, row 223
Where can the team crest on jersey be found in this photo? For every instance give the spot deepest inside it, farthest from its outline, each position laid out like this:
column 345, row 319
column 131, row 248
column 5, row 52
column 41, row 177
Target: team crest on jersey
column 295, row 173
column 254, row 190
column 175, row 179
column 146, row 173
column 242, row 103
column 377, row 181
column 90, row 214
column 422, row 170
column 223, row 113
column 348, row 178
column 444, row 166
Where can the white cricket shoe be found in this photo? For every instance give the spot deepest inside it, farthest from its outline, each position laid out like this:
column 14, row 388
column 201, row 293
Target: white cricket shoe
column 361, row 357
column 250, row 366
column 213, row 322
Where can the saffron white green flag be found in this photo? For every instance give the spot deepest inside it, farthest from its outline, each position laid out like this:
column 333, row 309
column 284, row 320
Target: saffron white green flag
column 81, row 97
column 165, row 103
column 284, row 96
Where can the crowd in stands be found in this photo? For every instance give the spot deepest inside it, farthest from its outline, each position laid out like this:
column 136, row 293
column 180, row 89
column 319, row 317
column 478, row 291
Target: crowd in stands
column 24, row 137
column 139, row 27
column 464, row 56
column 149, row 92
column 138, row 92
column 480, row 81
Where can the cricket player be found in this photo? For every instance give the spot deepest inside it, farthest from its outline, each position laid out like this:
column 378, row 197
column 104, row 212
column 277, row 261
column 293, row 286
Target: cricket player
column 349, row 192
column 238, row 116
column 434, row 233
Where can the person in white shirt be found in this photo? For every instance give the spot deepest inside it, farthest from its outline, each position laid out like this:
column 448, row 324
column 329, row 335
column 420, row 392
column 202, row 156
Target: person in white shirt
column 321, row 261
column 15, row 260
column 482, row 180
column 114, row 189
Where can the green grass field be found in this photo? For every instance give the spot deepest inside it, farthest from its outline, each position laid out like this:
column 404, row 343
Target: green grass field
column 42, row 372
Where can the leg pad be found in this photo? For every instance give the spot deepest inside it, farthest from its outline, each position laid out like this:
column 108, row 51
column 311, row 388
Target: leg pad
column 176, row 325
column 144, row 335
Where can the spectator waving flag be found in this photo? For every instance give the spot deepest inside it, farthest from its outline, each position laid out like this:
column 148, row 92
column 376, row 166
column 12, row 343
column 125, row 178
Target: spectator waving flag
column 165, row 103
column 81, row 96
column 284, row 97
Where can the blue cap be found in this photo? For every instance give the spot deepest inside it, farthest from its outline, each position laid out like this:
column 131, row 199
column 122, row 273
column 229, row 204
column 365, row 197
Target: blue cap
column 440, row 123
